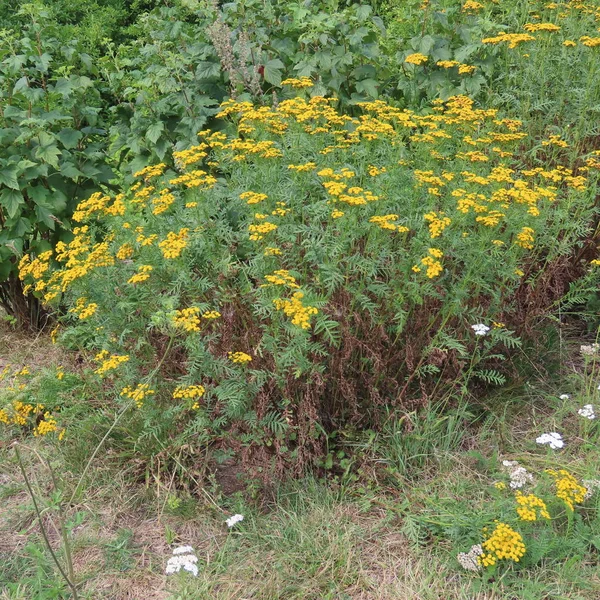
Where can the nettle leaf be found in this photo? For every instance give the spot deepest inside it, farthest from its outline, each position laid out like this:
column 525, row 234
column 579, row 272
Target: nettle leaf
column 208, row 70
column 8, row 177
column 44, row 216
column 70, row 137
column 272, row 71
column 154, row 131
column 48, row 150
column 20, row 85
column 11, row 112
column 368, row 86
column 11, row 200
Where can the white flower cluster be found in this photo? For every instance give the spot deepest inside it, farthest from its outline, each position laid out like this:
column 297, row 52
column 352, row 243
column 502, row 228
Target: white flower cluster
column 519, row 476
column 233, row 520
column 587, row 411
column 480, row 329
column 183, row 558
column 589, row 350
column 553, row 439
column 564, row 397
column 591, row 487
column 468, row 560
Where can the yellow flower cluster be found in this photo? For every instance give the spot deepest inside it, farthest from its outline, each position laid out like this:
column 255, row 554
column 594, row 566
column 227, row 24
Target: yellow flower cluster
column 525, row 238
column 385, row 222
column 272, row 251
column 163, row 201
column 529, row 506
column 437, row 223
column 555, row 140
column 192, row 155
column 195, row 179
column 302, row 82
column 503, row 543
column 416, row 59
column 187, row 319
column 590, row 42
column 466, row 69
column 239, row 357
column 567, row 487
column 309, row 166
column 513, row 39
column 80, row 257
column 190, row 392
column 258, row 232
column 109, row 361
column 374, row 171
column 174, row 244
column 431, row 261
column 281, row 277
column 124, row 252
column 533, row 27
column 142, row 274
column 96, row 203
column 46, row 425
column 471, row 6
column 84, row 310
column 25, row 414
column 211, row 314
column 463, row 69
column 295, row 310
column 253, row 197
column 138, row 393
column 151, row 171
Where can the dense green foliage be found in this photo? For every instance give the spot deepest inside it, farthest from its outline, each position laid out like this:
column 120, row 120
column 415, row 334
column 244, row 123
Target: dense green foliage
column 268, row 226
column 52, row 145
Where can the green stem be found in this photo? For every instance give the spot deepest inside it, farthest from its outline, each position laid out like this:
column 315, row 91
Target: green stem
column 42, row 528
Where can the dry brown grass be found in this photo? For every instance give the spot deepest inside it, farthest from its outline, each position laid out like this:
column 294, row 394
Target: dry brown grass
column 19, row 349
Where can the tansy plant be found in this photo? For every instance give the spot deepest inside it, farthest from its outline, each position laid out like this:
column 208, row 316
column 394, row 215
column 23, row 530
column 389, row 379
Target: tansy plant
column 544, row 514
column 302, row 265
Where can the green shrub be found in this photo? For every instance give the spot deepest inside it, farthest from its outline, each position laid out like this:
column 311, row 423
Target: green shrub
column 52, row 151
column 311, row 269
column 190, row 56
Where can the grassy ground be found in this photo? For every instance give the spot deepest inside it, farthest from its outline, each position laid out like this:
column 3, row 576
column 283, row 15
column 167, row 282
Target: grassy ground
column 382, row 528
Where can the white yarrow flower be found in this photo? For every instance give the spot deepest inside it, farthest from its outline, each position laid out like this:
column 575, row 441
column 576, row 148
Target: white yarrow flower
column 468, row 560
column 183, row 550
column 553, row 439
column 233, row 520
column 480, row 329
column 591, row 486
column 519, row 476
column 564, row 397
column 589, row 350
column 587, row 411
column 182, row 559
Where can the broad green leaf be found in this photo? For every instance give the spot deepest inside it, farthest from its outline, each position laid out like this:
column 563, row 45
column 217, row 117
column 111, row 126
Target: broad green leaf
column 154, row 131
column 272, row 71
column 11, row 200
column 11, row 112
column 44, row 216
column 208, row 70
column 70, row 170
column 8, row 177
column 20, row 85
column 69, row 137
column 47, row 150
column 63, row 87
column 368, row 86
